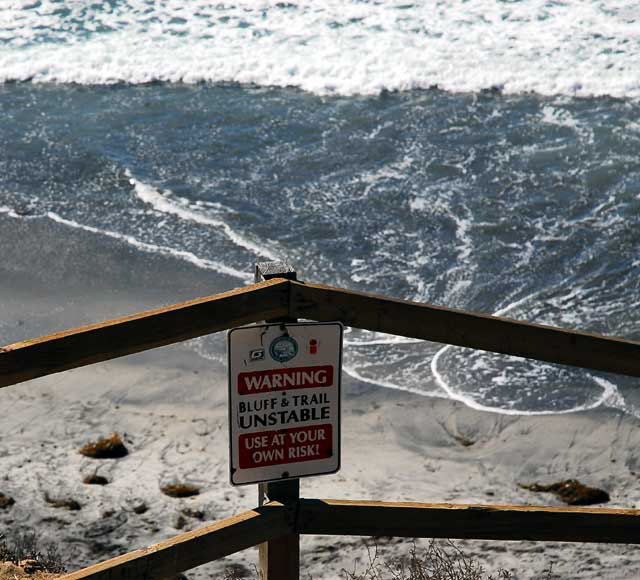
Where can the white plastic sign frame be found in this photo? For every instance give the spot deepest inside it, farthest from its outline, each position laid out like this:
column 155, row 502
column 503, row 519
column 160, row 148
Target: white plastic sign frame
column 284, row 401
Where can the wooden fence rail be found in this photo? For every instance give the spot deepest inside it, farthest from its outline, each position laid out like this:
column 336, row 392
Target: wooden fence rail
column 366, row 518
column 279, row 298
column 482, row 522
column 115, row 338
column 461, row 328
column 191, row 549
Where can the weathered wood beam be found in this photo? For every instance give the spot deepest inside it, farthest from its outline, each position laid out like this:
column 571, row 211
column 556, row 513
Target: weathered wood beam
column 115, row 338
column 460, row 328
column 482, row 522
column 191, row 549
column 279, row 298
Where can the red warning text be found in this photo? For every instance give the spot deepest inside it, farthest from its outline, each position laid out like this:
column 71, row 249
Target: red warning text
column 284, row 379
column 286, row 446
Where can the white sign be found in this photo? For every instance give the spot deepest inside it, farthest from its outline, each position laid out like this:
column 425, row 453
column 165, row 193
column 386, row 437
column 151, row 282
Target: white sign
column 284, row 401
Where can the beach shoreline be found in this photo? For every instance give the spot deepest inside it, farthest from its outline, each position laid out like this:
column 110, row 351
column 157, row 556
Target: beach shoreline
column 170, row 407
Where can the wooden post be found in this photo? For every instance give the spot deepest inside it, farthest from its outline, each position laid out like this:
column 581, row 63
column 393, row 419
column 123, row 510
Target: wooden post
column 279, row 558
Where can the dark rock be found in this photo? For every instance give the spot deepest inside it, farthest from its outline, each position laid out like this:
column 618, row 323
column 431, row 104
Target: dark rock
column 6, row 501
column 140, row 508
column 95, row 480
column 193, row 513
column 66, row 503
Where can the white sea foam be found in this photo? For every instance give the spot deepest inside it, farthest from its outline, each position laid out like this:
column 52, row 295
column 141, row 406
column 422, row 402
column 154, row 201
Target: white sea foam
column 556, row 116
column 384, row 339
column 180, row 207
column 331, row 46
column 353, row 372
column 610, row 395
column 11, row 212
column 155, row 249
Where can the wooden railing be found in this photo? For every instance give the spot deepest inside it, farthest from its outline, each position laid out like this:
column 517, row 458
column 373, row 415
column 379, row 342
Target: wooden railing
column 288, row 298
column 367, row 518
column 281, row 298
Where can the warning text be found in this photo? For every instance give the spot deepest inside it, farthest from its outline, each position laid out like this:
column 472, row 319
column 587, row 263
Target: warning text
column 285, row 379
column 286, row 446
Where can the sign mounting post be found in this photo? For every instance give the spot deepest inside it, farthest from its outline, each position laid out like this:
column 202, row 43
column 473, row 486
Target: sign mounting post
column 284, row 413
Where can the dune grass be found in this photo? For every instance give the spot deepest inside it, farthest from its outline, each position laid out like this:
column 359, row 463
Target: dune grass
column 21, row 549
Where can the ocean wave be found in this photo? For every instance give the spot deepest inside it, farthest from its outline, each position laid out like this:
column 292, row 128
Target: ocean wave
column 181, row 208
column 331, row 46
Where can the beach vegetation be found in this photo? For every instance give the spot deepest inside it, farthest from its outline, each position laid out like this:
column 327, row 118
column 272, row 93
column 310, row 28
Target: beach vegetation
column 110, row 447
column 237, row 571
column 21, row 554
column 440, row 560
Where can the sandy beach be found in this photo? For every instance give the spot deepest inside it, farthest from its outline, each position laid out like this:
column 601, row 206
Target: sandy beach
column 170, row 407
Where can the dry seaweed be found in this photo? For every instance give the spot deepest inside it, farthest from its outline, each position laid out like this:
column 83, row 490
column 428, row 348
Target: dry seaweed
column 180, row 490
column 108, row 448
column 571, row 492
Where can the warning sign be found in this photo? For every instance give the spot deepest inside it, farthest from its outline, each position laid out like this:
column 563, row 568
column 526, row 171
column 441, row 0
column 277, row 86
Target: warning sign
column 284, row 401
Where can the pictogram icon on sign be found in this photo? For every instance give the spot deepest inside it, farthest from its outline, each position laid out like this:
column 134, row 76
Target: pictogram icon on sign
column 283, row 349
column 256, row 354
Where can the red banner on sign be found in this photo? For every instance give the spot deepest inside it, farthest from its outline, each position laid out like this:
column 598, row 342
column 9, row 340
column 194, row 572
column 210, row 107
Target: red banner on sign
column 285, row 379
column 285, row 446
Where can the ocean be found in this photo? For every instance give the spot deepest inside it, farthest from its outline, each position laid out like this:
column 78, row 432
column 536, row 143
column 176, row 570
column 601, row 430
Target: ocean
column 474, row 154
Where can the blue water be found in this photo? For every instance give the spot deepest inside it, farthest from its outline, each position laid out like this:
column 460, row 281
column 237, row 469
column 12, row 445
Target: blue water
column 510, row 189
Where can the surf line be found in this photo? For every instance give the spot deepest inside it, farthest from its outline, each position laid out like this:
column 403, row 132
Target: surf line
column 153, row 249
column 161, row 203
column 609, row 390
